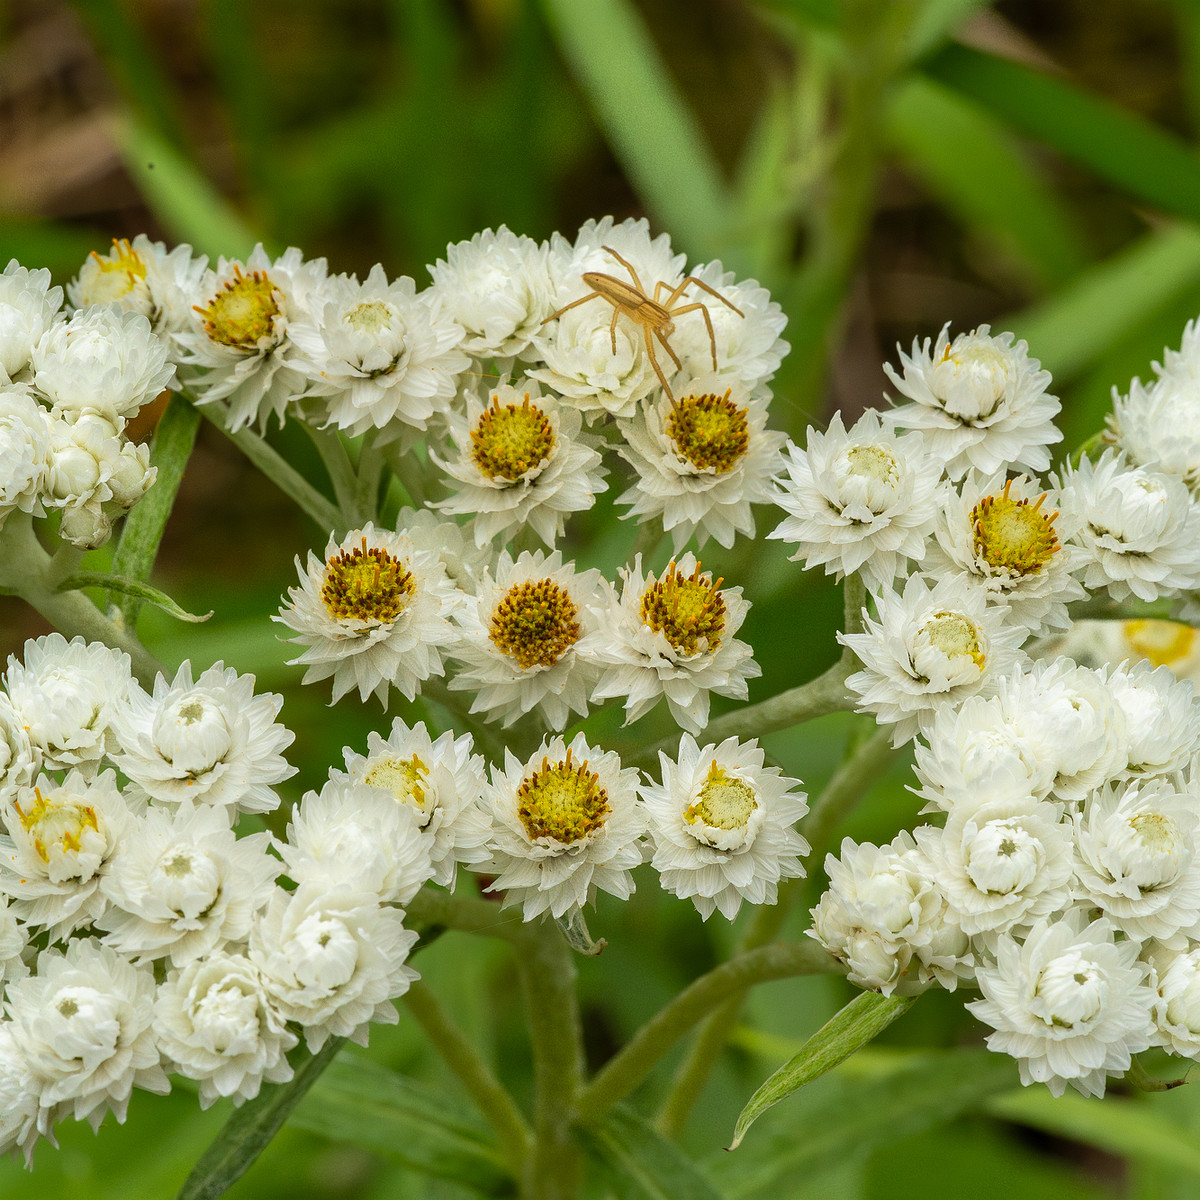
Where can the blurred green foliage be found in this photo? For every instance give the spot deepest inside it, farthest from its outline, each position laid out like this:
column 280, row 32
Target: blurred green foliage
column 883, row 166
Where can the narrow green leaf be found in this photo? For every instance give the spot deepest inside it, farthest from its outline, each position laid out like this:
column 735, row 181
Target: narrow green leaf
column 1082, row 322
column 937, row 20
column 971, row 162
column 866, row 1016
column 181, row 198
column 245, row 1135
column 135, row 588
column 147, row 520
column 640, row 1163
column 1144, row 160
column 361, row 1102
column 647, row 122
column 850, row 1115
column 1122, row 1127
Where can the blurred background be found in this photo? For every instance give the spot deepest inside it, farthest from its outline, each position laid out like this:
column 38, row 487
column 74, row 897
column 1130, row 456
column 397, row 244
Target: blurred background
column 883, row 166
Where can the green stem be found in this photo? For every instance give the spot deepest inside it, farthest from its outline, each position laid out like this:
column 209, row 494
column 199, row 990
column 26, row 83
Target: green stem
column 625, row 1070
column 649, row 534
column 370, row 472
column 280, row 472
column 332, row 449
column 468, row 914
column 32, row 574
column 547, row 968
column 492, row 1099
column 407, row 468
column 847, row 785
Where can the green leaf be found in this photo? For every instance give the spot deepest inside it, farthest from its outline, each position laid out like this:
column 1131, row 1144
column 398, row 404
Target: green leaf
column 245, row 1135
column 135, row 588
column 850, row 1114
column 147, row 520
column 181, row 198
column 361, row 1102
column 971, row 162
column 866, row 1016
column 1122, row 1127
column 1144, row 160
column 640, row 1163
column 647, row 122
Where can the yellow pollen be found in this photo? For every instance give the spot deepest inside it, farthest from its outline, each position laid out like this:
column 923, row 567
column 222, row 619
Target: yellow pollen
column 1162, row 642
column 1157, row 831
column 244, row 311
column 710, row 431
column 955, row 636
column 402, row 777
column 366, row 584
column 724, row 802
column 122, row 260
column 50, row 822
column 535, row 623
column 509, row 440
column 562, row 801
column 872, row 462
column 686, row 609
column 1014, row 535
column 370, row 317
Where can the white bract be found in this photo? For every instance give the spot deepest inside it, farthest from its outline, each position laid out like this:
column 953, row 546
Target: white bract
column 28, row 307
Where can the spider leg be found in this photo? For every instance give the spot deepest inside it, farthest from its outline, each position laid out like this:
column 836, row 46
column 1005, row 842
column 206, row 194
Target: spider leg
column 573, row 304
column 612, row 329
column 628, row 266
column 675, row 292
column 713, row 292
column 667, row 346
column 654, row 362
column 703, row 310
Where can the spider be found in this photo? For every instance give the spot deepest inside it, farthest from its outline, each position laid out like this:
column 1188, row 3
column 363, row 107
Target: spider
column 656, row 317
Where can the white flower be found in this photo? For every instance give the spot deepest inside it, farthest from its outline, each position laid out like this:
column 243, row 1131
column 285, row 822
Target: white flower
column 60, row 843
column 1137, row 528
column 442, row 781
column 978, row 753
column 565, row 823
column 332, row 960
column 240, row 333
column 1072, row 717
column 453, row 545
column 24, row 450
column 181, row 884
column 19, row 759
column 1000, row 864
column 701, row 460
column 212, row 742
column 372, row 614
column 378, row 354
column 1006, row 540
column 1070, row 1005
column 14, row 939
column 101, row 361
column 497, row 287
column 68, row 694
column 215, row 1024
column 519, row 643
column 352, row 835
column 1175, row 977
column 28, row 307
column 1135, row 851
column 521, row 461
column 980, row 401
column 930, row 647
column 1162, row 717
column 861, row 499
column 671, row 636
column 83, row 1023
column 142, row 277
column 884, row 918
column 722, row 824
column 18, row 1097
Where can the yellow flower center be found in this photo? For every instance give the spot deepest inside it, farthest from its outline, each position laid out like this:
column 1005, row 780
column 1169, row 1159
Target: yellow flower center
column 562, row 801
column 403, row 777
column 535, row 623
column 120, row 271
column 509, row 440
column 1157, row 831
column 56, row 820
column 1162, row 642
column 244, row 311
column 872, row 462
column 1014, row 535
column 367, row 584
column 371, row 316
column 955, row 635
column 723, row 803
column 686, row 609
column 710, row 431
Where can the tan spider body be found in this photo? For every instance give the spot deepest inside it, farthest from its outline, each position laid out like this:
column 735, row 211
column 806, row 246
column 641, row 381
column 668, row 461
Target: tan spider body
column 656, row 316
